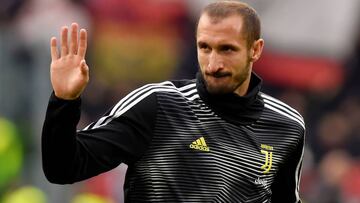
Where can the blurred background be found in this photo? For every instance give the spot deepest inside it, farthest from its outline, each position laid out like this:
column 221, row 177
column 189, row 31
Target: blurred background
column 311, row 61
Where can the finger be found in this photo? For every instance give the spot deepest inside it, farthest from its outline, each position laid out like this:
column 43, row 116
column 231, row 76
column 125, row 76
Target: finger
column 74, row 38
column 53, row 49
column 64, row 41
column 82, row 43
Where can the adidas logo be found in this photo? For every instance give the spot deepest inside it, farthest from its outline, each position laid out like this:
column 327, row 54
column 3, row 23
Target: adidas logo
column 199, row 144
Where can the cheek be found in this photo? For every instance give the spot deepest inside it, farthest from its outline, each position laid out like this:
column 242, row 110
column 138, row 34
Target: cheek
column 242, row 70
column 202, row 60
column 241, row 65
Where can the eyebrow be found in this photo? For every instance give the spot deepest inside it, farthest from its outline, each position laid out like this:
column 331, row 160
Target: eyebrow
column 221, row 46
column 199, row 43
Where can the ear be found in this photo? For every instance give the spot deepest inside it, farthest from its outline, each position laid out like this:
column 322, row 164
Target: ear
column 256, row 50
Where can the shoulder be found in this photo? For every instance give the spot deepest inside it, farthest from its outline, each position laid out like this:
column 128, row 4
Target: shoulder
column 282, row 110
column 176, row 88
column 142, row 102
column 145, row 91
column 149, row 92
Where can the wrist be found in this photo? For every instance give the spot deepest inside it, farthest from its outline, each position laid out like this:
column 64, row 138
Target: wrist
column 66, row 97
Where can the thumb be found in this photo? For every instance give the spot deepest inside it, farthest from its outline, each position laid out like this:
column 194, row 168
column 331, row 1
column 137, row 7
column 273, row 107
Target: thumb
column 84, row 68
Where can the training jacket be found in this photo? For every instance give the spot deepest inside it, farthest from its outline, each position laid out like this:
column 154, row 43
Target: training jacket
column 182, row 144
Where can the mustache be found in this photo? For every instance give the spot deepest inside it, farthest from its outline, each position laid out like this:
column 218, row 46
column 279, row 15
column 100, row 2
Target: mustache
column 218, row 74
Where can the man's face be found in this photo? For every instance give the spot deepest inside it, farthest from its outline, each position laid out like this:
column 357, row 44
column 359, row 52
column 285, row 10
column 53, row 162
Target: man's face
column 223, row 55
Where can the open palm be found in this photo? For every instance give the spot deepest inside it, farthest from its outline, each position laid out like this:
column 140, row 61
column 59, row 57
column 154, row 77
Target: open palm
column 68, row 71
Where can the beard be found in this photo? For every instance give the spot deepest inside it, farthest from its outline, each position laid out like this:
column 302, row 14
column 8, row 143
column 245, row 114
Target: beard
column 225, row 82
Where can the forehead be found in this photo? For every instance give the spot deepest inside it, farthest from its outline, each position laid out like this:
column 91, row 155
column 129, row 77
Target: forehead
column 230, row 27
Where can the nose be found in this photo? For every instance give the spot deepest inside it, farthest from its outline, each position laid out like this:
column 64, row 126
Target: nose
column 215, row 63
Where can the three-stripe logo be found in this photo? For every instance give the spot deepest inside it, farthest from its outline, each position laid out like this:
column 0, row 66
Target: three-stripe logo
column 200, row 144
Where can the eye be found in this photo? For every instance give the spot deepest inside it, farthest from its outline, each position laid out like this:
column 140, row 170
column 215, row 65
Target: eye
column 227, row 48
column 204, row 47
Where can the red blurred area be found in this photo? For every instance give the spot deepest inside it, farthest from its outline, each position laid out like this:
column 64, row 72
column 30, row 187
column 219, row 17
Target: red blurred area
column 306, row 73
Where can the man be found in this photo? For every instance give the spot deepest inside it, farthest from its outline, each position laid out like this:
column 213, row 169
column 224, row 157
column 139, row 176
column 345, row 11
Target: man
column 216, row 138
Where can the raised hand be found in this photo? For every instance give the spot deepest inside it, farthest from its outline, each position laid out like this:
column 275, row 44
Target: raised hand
column 69, row 73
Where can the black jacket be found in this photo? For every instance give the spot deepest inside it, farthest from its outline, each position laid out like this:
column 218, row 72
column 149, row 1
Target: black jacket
column 182, row 144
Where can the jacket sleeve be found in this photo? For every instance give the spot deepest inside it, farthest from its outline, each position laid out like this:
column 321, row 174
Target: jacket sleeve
column 286, row 185
column 121, row 135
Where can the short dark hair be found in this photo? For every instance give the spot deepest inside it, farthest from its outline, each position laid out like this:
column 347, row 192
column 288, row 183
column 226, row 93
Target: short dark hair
column 222, row 9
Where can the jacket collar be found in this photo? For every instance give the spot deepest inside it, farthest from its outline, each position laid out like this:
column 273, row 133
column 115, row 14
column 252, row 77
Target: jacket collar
column 239, row 110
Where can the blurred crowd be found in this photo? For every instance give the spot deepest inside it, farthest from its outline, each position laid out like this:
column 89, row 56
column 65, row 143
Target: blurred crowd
column 311, row 61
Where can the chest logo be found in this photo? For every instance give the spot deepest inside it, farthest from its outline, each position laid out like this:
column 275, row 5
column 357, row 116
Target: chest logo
column 200, row 144
column 267, row 151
